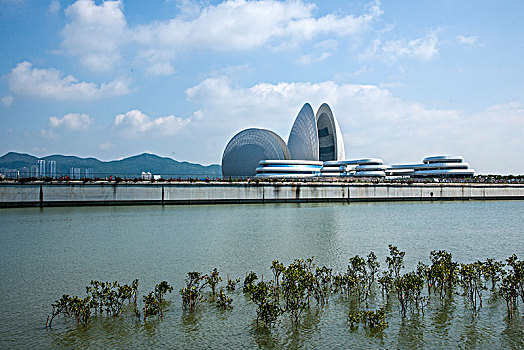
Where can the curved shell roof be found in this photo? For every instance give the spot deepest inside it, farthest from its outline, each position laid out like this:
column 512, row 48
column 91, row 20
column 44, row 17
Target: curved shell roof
column 247, row 148
column 303, row 138
column 331, row 143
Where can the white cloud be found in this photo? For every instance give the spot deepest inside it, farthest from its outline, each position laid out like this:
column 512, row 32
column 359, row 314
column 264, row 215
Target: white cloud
column 106, row 146
column 94, row 33
column 244, row 25
column 375, row 123
column 50, row 83
column 234, row 25
column 48, row 134
column 424, row 48
column 327, row 45
column 134, row 123
column 8, row 100
column 54, row 6
column 311, row 58
column 73, row 121
column 467, row 40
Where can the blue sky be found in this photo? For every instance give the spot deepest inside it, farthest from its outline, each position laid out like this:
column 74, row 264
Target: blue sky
column 405, row 79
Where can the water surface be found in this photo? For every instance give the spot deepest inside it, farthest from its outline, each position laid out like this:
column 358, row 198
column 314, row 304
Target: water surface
column 47, row 252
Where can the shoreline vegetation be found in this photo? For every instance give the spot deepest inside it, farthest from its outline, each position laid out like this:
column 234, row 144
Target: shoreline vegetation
column 479, row 179
column 294, row 289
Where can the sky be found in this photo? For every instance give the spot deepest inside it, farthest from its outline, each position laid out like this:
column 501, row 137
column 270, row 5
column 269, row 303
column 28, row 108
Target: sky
column 405, row 79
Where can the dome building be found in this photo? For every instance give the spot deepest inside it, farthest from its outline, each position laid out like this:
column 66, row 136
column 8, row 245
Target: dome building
column 247, row 148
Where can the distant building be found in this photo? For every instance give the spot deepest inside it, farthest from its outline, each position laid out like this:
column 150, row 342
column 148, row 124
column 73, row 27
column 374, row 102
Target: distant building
column 51, row 169
column 11, row 173
column 74, row 173
column 89, row 173
column 34, row 171
column 288, row 168
column 437, row 166
column 24, row 172
column 41, row 168
column 146, row 176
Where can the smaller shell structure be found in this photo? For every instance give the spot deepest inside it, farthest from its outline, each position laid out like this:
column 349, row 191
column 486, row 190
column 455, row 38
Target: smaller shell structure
column 247, row 148
column 331, row 144
column 303, row 138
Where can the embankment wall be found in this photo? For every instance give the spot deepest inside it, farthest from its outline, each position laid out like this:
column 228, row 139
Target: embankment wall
column 73, row 194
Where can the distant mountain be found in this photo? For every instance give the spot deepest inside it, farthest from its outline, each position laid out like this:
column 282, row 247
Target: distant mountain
column 127, row 167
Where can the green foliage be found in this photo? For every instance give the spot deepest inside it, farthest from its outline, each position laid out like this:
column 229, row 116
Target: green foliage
column 213, row 279
column 277, row 268
column 472, row 283
column 373, row 265
column 517, row 270
column 232, row 284
column 74, row 307
column 322, row 284
column 160, row 290
column 297, row 285
column 371, row 318
column 268, row 308
column 386, row 282
column 154, row 301
column 443, row 272
column 151, row 305
column 492, row 270
column 512, row 286
column 192, row 292
column 109, row 296
column 248, row 282
column 395, row 261
column 134, row 288
column 409, row 289
column 357, row 278
column 223, row 300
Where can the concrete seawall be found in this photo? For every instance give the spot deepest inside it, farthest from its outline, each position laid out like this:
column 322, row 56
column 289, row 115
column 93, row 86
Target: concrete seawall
column 74, row 194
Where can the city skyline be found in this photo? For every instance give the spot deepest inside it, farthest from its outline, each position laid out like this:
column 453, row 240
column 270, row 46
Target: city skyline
column 180, row 78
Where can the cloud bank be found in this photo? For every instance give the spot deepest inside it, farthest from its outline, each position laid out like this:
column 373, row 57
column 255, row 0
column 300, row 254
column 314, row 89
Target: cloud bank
column 234, row 25
column 25, row 80
column 72, row 121
column 135, row 123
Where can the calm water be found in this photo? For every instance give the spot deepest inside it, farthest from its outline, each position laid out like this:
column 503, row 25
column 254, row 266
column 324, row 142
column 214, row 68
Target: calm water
column 45, row 253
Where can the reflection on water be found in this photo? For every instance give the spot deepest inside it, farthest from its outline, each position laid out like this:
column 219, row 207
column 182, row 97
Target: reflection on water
column 411, row 332
column 45, row 252
column 513, row 332
column 443, row 316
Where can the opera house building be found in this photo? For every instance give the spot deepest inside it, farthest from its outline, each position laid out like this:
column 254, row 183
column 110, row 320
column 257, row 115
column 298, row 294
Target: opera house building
column 313, row 137
column 315, row 148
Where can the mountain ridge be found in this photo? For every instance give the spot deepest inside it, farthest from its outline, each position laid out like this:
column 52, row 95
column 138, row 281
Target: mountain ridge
column 131, row 166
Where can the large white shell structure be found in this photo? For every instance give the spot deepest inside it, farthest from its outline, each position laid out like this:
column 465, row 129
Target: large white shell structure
column 303, row 138
column 331, row 144
column 247, row 148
